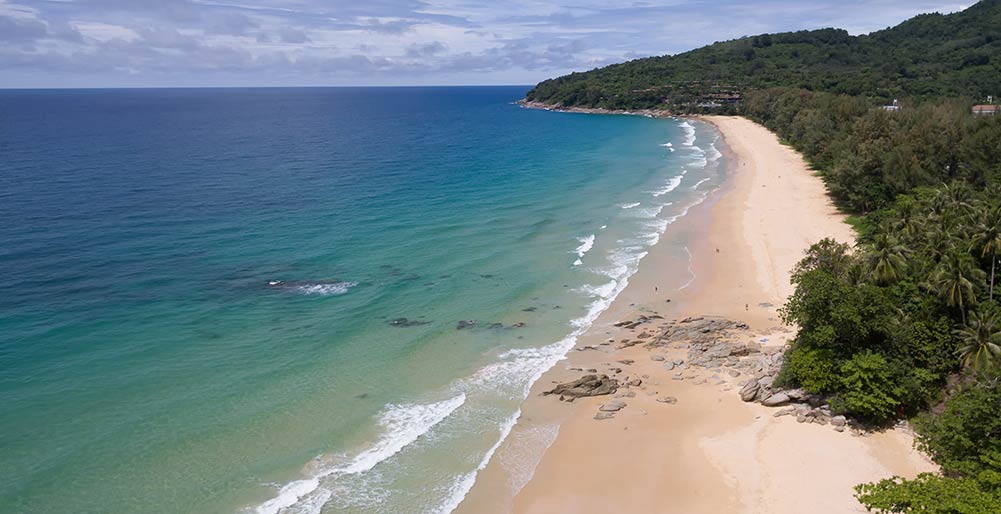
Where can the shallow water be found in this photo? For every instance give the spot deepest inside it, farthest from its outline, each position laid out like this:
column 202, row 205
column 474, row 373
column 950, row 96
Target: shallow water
column 204, row 290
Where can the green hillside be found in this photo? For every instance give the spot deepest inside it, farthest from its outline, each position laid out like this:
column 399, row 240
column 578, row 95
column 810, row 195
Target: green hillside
column 930, row 55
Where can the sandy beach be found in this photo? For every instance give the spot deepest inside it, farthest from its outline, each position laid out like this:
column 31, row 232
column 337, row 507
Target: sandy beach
column 709, row 451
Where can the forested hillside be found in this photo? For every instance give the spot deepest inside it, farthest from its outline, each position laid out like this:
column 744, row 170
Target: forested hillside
column 929, row 56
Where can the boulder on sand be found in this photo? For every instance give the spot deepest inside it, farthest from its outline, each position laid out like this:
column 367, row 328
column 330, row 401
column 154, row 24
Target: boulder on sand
column 775, row 400
column 588, row 385
column 613, row 406
column 750, row 391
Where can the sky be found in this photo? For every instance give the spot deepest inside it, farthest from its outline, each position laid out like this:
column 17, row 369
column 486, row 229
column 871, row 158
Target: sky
column 144, row 43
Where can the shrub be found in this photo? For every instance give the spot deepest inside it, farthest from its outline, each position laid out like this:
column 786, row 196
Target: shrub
column 813, row 369
column 968, row 431
column 868, row 388
column 928, row 494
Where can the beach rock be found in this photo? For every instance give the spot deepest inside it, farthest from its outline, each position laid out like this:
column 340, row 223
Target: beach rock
column 588, row 385
column 775, row 400
column 658, row 358
column 626, row 394
column 750, row 391
column 801, row 419
column 797, row 394
column 669, row 366
column 838, row 428
column 627, row 362
column 604, row 415
column 839, row 421
column 612, row 406
column 495, row 326
column 634, row 382
column 404, row 322
column 667, row 399
column 466, row 323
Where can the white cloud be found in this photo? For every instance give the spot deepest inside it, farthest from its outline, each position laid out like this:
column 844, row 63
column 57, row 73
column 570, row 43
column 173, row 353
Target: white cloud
column 191, row 42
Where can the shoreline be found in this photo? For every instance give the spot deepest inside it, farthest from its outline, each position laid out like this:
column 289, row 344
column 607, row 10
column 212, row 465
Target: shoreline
column 649, row 113
column 691, row 455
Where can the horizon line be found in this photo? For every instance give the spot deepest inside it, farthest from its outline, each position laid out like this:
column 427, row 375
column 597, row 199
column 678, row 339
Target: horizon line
column 414, row 86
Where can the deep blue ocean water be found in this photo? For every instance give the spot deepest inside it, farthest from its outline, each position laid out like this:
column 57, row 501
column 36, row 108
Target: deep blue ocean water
column 203, row 292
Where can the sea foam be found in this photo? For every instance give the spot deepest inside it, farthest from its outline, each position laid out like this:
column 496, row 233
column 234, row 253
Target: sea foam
column 586, row 243
column 689, row 133
column 325, row 288
column 401, row 424
column 671, row 185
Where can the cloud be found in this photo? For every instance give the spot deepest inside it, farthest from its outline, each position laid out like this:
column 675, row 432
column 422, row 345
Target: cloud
column 250, row 42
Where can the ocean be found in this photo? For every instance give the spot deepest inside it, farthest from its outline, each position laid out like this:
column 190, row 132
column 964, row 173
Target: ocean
column 303, row 300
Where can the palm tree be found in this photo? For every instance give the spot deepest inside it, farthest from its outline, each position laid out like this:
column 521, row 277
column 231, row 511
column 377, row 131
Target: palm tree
column 980, row 342
column 954, row 281
column 987, row 236
column 886, row 259
column 908, row 222
column 938, row 242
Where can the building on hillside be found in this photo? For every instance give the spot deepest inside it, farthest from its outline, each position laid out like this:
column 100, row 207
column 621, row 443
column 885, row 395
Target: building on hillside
column 727, row 97
column 986, row 110
column 895, row 106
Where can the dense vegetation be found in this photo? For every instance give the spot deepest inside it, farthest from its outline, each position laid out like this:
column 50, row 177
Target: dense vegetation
column 932, row 55
column 909, row 319
column 907, row 323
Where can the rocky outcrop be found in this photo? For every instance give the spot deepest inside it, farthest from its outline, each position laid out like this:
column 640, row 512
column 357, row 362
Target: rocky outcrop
column 588, row 385
column 750, row 391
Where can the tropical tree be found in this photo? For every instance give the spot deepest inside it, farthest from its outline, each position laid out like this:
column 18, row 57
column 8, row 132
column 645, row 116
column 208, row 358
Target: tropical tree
column 954, row 281
column 987, row 236
column 980, row 341
column 887, row 259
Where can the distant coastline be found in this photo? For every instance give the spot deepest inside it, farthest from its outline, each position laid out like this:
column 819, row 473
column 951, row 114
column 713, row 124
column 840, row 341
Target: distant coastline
column 649, row 113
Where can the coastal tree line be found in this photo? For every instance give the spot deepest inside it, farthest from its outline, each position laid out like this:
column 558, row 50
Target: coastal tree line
column 908, row 322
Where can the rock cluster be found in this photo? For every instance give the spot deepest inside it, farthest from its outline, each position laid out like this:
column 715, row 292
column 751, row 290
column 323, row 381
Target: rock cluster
column 588, row 385
column 806, row 407
column 711, row 345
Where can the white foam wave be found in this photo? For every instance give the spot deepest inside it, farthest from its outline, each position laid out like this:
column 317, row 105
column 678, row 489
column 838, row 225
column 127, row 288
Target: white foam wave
column 699, row 183
column 648, row 212
column 325, row 289
column 629, row 205
column 689, row 133
column 463, row 484
column 602, row 291
column 672, row 184
column 401, row 424
column 586, row 243
column 714, row 153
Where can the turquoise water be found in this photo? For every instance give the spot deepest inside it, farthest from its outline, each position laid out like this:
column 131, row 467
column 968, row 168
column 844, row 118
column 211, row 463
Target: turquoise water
column 203, row 290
